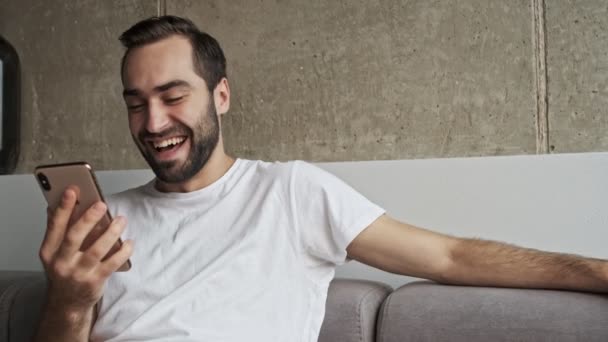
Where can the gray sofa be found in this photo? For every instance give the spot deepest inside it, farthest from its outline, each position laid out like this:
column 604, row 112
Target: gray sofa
column 362, row 311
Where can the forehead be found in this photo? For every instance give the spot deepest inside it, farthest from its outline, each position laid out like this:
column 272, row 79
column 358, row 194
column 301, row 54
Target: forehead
column 160, row 62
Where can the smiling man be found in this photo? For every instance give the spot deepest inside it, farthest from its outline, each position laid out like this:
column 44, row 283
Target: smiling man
column 172, row 108
column 228, row 249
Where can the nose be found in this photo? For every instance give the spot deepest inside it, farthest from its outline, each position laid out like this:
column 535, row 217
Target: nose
column 157, row 118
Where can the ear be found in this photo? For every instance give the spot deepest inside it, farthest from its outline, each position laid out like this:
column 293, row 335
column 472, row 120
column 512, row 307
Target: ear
column 221, row 96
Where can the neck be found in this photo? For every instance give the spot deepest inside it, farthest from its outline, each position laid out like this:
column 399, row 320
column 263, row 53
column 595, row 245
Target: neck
column 217, row 165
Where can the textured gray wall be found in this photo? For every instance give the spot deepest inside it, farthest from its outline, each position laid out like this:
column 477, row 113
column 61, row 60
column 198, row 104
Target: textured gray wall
column 578, row 75
column 72, row 105
column 329, row 80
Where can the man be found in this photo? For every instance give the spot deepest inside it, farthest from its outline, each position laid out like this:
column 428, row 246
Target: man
column 237, row 250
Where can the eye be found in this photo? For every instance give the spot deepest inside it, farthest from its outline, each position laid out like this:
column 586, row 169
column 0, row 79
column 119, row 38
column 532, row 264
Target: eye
column 135, row 108
column 173, row 100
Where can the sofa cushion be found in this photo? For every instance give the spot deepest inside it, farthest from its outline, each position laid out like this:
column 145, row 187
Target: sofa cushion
column 425, row 311
column 22, row 296
column 352, row 310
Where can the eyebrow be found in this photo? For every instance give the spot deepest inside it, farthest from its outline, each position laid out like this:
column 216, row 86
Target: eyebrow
column 158, row 89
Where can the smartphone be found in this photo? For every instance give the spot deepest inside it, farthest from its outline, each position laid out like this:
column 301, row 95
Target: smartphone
column 54, row 179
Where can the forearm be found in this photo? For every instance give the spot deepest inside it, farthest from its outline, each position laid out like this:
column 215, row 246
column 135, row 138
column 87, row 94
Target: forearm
column 59, row 323
column 488, row 263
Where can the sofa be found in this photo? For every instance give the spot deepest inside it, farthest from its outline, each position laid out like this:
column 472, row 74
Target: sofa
column 365, row 311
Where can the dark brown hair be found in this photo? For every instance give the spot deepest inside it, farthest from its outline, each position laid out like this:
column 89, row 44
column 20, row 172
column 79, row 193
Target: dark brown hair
column 207, row 55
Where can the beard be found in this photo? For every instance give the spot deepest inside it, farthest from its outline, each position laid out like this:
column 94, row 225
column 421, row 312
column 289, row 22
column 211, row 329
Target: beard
column 203, row 139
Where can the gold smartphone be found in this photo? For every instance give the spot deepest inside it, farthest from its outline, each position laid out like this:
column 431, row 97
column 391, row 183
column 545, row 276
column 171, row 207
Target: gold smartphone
column 54, row 179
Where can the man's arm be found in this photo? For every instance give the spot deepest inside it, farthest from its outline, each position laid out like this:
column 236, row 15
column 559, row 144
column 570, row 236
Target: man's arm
column 76, row 278
column 59, row 324
column 404, row 249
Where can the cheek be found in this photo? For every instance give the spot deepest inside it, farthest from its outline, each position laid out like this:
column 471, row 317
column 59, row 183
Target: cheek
column 189, row 113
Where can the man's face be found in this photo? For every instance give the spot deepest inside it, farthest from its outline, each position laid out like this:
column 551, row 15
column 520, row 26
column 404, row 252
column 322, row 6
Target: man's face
column 172, row 114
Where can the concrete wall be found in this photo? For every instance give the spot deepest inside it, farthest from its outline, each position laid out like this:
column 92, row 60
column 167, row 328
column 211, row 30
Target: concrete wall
column 72, row 105
column 331, row 80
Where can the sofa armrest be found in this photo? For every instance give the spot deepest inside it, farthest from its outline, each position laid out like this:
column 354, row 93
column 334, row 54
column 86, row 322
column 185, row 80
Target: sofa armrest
column 425, row 311
column 352, row 310
column 22, row 296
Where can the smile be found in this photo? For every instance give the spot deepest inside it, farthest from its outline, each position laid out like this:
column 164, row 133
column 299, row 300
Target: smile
column 167, row 144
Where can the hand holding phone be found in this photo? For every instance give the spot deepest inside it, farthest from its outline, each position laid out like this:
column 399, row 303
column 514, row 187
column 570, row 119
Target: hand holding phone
column 55, row 179
column 81, row 247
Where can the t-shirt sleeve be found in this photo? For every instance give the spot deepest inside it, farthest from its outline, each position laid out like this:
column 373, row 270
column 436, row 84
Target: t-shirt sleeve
column 328, row 213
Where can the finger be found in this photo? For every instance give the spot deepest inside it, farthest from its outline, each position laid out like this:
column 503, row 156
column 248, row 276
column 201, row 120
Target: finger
column 57, row 222
column 44, row 252
column 49, row 215
column 79, row 231
column 100, row 248
column 72, row 218
column 113, row 263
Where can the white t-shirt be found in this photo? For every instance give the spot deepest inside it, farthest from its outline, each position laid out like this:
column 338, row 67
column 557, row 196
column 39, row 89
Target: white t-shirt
column 247, row 258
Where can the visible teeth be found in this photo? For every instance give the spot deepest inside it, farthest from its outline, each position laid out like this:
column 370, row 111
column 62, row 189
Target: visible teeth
column 172, row 141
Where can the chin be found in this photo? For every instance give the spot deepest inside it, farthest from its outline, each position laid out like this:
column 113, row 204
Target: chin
column 170, row 177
